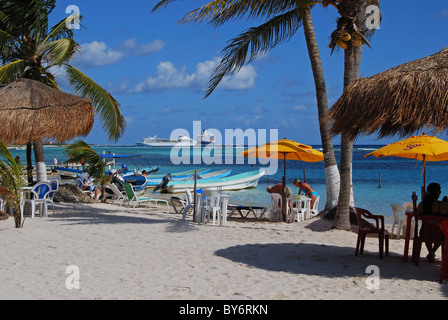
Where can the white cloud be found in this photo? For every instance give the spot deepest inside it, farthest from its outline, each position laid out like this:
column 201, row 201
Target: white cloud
column 169, row 76
column 298, row 108
column 98, row 53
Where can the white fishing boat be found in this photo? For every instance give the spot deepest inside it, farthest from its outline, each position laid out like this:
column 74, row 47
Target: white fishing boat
column 205, row 175
column 182, row 141
column 237, row 182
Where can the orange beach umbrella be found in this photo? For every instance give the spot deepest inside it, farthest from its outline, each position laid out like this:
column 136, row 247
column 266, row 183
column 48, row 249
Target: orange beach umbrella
column 424, row 148
column 285, row 150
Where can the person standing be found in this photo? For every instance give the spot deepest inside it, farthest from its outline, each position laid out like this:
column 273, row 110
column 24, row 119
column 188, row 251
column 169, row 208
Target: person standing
column 55, row 161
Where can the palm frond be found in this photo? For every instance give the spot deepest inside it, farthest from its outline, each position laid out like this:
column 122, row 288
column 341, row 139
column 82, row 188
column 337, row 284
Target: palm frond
column 60, row 31
column 108, row 109
column 60, row 51
column 80, row 150
column 162, row 4
column 259, row 40
column 219, row 12
column 11, row 182
column 11, row 71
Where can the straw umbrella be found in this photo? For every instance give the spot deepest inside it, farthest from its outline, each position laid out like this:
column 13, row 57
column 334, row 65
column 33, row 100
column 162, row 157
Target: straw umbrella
column 399, row 101
column 285, row 150
column 32, row 111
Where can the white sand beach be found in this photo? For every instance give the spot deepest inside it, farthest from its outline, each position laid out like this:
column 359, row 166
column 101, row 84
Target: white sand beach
column 141, row 253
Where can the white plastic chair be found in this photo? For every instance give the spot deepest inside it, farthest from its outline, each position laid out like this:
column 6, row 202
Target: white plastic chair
column 314, row 211
column 300, row 207
column 276, row 210
column 54, row 186
column 224, row 204
column 408, row 206
column 399, row 221
column 212, row 205
column 189, row 203
column 39, row 195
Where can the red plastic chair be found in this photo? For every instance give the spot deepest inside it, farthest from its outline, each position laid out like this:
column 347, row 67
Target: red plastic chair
column 383, row 235
column 431, row 234
column 444, row 267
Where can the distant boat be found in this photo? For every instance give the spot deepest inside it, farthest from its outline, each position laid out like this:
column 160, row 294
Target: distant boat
column 182, row 141
column 237, row 182
column 205, row 138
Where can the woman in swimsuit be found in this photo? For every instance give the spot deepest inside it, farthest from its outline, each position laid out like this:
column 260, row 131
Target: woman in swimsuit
column 309, row 192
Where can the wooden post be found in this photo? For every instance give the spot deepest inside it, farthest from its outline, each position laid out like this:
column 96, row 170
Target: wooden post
column 194, row 197
column 304, row 174
column 379, row 180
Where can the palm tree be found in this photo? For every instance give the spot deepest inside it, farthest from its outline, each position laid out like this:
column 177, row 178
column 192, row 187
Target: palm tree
column 79, row 151
column 284, row 19
column 29, row 48
column 11, row 182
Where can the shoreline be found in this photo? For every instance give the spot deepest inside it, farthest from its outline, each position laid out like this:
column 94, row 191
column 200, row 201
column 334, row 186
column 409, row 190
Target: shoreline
column 126, row 253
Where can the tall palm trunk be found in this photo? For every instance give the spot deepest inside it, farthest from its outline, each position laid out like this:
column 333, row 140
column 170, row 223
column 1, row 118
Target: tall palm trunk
column 352, row 64
column 41, row 168
column 342, row 219
column 29, row 162
column 331, row 169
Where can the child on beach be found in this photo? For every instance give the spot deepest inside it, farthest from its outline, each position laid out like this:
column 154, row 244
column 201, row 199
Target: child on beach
column 309, row 191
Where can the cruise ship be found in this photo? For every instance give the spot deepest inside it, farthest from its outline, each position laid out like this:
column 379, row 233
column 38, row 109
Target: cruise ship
column 205, row 138
column 182, row 141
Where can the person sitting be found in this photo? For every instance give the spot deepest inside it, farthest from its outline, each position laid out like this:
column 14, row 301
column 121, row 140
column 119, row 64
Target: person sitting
column 278, row 188
column 432, row 206
column 87, row 184
column 309, row 191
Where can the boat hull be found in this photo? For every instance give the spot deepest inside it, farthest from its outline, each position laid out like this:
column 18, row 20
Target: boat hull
column 237, row 182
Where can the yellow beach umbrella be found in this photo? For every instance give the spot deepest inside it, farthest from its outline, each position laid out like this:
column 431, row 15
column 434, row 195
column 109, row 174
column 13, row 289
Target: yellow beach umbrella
column 285, row 150
column 424, row 148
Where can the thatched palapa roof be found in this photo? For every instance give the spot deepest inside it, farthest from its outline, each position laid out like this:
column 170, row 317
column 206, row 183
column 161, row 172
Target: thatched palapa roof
column 399, row 101
column 31, row 111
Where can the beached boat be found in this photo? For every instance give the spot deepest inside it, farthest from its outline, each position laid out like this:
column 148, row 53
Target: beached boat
column 70, row 172
column 206, row 174
column 181, row 174
column 183, row 141
column 237, row 182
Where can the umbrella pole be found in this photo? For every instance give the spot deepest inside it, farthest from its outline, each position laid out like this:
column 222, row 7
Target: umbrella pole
column 424, row 177
column 284, row 187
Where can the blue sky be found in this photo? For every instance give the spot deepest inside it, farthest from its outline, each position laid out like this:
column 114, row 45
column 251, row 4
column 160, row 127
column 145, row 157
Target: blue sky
column 158, row 69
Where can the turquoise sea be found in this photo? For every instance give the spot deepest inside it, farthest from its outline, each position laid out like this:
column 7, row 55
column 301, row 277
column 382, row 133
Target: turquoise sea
column 399, row 177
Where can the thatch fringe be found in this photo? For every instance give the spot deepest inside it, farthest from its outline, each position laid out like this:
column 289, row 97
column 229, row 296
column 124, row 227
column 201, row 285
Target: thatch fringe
column 31, row 111
column 399, row 101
